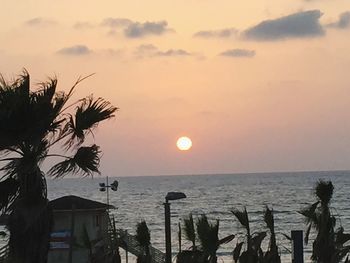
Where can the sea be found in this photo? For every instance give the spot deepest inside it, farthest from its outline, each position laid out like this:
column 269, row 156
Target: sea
column 215, row 195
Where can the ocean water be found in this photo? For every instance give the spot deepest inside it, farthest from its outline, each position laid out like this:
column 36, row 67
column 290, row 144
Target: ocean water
column 142, row 198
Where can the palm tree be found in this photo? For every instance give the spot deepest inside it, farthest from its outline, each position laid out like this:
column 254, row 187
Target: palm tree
column 208, row 235
column 143, row 237
column 253, row 252
column 271, row 255
column 32, row 125
column 190, row 231
column 193, row 255
column 328, row 246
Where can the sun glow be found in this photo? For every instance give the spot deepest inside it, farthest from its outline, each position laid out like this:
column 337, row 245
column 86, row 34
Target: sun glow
column 184, row 143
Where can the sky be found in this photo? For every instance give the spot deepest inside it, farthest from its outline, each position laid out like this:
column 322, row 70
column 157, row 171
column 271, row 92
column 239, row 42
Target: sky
column 258, row 85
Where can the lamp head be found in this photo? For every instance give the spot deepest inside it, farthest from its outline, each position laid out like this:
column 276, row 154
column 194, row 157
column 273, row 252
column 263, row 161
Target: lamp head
column 174, row 196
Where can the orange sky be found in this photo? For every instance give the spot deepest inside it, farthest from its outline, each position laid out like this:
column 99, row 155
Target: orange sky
column 257, row 85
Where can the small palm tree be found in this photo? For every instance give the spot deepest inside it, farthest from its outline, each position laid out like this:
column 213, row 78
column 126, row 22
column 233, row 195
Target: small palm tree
column 208, row 235
column 190, row 231
column 32, row 125
column 271, row 255
column 143, row 237
column 193, row 255
column 253, row 252
column 329, row 244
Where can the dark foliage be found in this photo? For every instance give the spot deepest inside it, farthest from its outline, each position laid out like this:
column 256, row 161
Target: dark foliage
column 329, row 244
column 33, row 123
column 143, row 237
column 253, row 252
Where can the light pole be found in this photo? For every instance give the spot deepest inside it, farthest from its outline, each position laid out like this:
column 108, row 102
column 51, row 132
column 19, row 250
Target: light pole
column 169, row 197
column 106, row 186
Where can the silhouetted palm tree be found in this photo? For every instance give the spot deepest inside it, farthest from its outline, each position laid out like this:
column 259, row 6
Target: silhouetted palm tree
column 271, row 255
column 143, row 237
column 32, row 124
column 208, row 235
column 190, row 231
column 328, row 246
column 253, row 252
column 193, row 255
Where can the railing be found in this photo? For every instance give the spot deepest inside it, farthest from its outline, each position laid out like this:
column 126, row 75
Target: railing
column 129, row 243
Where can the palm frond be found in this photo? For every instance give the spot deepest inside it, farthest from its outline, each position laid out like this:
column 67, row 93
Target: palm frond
column 242, row 217
column 208, row 235
column 8, row 190
column 309, row 213
column 86, row 161
column 237, row 251
column 87, row 116
column 227, row 239
column 340, row 237
column 268, row 218
column 257, row 240
column 189, row 230
column 307, row 234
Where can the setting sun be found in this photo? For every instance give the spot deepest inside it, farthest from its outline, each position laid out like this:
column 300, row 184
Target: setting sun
column 184, row 143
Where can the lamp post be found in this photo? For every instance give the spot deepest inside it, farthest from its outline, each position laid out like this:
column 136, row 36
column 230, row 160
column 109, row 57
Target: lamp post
column 105, row 187
column 169, row 197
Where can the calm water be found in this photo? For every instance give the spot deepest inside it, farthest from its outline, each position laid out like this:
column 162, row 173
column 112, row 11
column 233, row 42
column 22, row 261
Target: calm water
column 215, row 195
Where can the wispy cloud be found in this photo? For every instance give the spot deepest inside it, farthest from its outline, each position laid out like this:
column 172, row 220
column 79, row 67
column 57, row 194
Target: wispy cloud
column 116, row 22
column 77, row 50
column 221, row 33
column 135, row 29
column 343, row 21
column 83, row 25
column 40, row 21
column 139, row 30
column 150, row 50
column 304, row 24
column 238, row 53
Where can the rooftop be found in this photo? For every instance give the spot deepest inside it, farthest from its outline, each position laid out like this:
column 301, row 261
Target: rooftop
column 79, row 203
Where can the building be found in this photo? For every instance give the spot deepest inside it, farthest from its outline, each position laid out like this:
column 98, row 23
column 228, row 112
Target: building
column 80, row 231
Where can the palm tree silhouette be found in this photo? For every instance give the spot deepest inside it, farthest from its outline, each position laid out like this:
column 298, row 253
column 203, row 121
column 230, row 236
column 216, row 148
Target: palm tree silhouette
column 253, row 252
column 328, row 246
column 208, row 235
column 143, row 237
column 32, row 125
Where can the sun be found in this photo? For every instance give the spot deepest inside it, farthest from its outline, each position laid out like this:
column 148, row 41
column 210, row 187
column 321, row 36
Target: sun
column 184, row 143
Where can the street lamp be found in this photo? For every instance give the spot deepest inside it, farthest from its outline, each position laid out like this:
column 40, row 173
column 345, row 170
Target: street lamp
column 169, row 197
column 106, row 186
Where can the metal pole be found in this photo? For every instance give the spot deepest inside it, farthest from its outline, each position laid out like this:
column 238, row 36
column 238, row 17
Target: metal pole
column 180, row 237
column 167, row 232
column 297, row 246
column 126, row 250
column 107, row 186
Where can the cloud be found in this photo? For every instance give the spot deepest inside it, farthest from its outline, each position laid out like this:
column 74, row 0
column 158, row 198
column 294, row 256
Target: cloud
column 138, row 30
column 116, row 22
column 83, row 25
column 77, row 50
column 150, row 50
column 343, row 21
column 39, row 21
column 222, row 33
column 238, row 53
column 303, row 24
